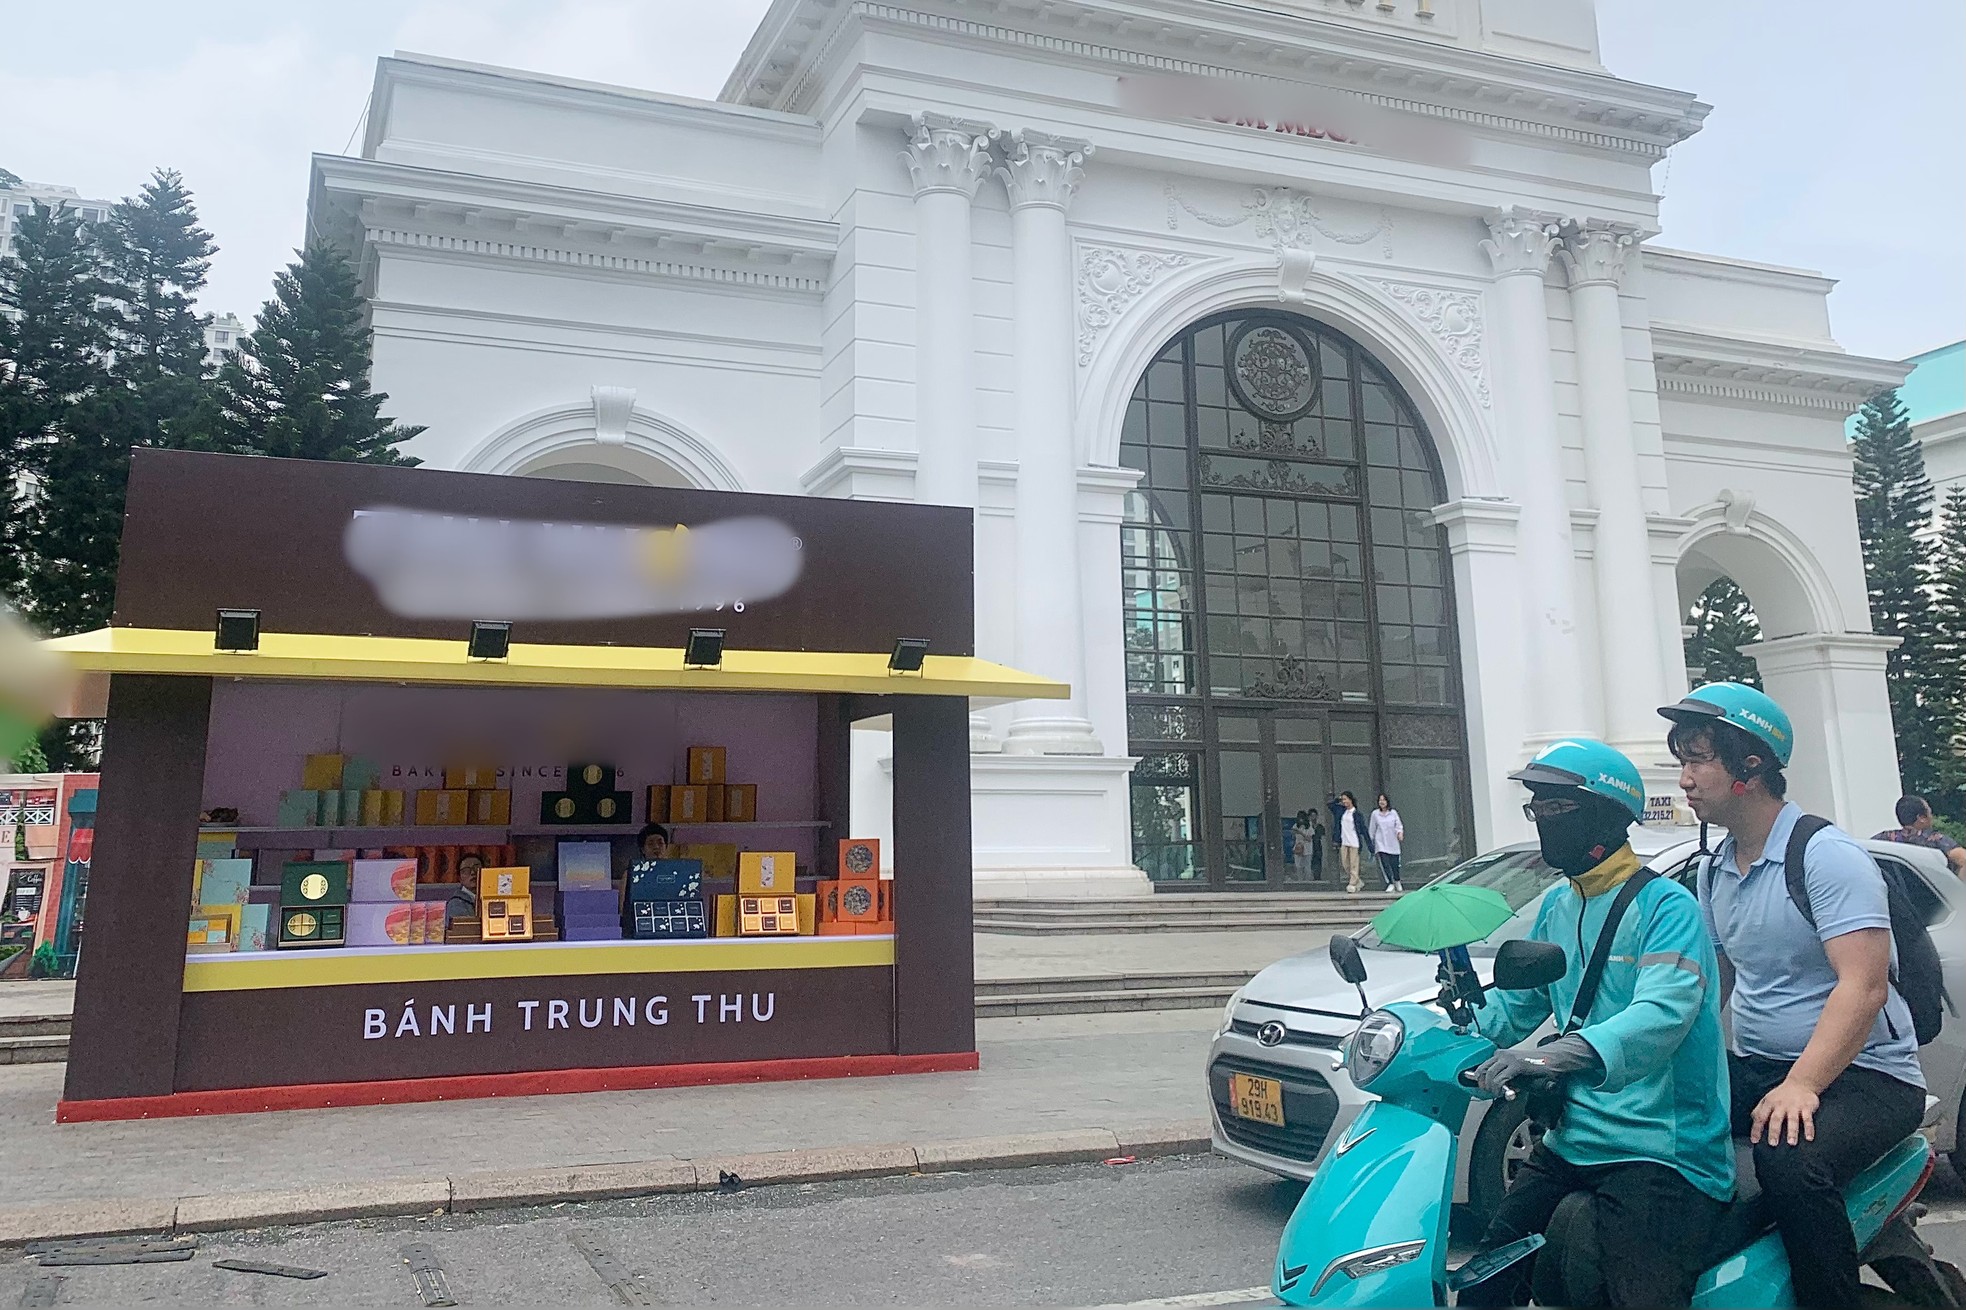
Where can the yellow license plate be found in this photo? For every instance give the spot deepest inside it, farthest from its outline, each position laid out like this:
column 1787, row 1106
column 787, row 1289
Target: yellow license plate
column 1256, row 1098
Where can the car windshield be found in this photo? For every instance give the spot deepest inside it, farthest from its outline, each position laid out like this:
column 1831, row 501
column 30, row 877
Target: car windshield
column 1520, row 876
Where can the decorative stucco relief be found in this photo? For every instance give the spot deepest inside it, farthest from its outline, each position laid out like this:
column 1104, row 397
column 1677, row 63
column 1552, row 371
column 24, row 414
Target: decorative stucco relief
column 1279, row 215
column 1454, row 318
column 1110, row 278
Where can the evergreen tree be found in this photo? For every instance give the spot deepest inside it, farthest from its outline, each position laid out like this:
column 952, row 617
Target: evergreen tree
column 1894, row 503
column 155, row 257
column 1723, row 621
column 1948, row 654
column 153, row 261
column 298, row 386
column 51, row 344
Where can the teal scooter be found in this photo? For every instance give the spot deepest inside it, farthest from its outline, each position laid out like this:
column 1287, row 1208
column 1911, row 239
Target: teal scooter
column 1372, row 1228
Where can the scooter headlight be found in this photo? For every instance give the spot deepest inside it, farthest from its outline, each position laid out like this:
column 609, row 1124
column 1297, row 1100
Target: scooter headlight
column 1373, row 1046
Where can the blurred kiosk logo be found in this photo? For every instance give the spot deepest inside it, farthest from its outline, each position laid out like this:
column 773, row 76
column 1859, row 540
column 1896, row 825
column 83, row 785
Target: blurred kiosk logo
column 444, row 566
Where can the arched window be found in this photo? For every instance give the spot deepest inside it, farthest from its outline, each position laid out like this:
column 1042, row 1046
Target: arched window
column 1288, row 608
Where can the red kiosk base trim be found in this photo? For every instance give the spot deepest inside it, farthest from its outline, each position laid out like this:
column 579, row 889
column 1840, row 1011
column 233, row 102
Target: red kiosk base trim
column 317, row 1096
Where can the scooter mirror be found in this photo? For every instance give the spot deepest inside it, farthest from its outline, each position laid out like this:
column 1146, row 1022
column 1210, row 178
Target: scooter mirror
column 1522, row 965
column 1345, row 958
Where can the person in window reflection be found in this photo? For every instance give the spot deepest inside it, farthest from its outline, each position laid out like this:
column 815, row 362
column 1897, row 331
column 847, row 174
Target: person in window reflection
column 654, row 844
column 1387, row 833
column 1349, row 837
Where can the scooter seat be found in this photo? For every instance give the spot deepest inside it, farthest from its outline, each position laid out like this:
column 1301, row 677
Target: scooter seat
column 1745, row 1218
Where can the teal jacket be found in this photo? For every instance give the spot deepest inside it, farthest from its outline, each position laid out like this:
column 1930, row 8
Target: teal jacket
column 1663, row 1096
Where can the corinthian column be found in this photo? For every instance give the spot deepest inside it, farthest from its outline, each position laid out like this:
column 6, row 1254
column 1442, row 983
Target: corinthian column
column 1040, row 174
column 949, row 158
column 1519, row 245
column 1593, row 255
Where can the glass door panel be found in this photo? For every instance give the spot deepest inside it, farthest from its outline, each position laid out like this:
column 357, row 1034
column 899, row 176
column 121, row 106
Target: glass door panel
column 1302, row 789
column 1245, row 814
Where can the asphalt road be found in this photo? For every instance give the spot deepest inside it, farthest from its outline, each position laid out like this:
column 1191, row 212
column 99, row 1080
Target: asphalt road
column 1194, row 1230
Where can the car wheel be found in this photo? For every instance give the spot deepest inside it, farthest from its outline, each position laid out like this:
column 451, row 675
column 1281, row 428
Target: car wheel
column 1504, row 1141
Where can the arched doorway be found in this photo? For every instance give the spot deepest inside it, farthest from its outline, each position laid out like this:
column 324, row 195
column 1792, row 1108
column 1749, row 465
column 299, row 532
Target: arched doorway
column 1288, row 608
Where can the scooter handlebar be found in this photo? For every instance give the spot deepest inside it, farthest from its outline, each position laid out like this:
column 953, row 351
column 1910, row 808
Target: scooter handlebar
column 1467, row 1079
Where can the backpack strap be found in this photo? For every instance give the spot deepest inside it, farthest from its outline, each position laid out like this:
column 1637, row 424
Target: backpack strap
column 1580, row 1006
column 1806, row 827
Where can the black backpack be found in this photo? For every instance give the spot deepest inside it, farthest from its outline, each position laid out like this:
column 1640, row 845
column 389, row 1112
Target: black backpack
column 1919, row 977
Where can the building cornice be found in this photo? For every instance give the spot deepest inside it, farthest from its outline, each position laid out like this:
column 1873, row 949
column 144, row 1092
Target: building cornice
column 406, row 69
column 462, row 214
column 1476, row 87
column 1752, row 372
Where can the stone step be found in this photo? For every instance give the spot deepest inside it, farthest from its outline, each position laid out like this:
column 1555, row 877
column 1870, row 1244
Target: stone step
column 1102, row 1001
column 1117, row 984
column 33, row 1025
column 46, row 1049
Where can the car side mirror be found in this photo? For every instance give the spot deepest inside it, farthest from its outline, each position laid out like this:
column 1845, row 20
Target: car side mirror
column 1522, row 965
column 1345, row 958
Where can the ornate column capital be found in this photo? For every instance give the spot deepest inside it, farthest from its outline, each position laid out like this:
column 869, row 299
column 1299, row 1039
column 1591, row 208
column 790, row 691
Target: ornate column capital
column 1042, row 170
column 1594, row 252
column 1520, row 240
column 948, row 154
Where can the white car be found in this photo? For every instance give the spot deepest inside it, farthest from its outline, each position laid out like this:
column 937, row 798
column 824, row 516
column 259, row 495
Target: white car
column 1281, row 1027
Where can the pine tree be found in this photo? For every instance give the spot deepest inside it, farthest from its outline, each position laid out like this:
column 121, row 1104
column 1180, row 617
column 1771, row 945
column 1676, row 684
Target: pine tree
column 298, row 386
column 1948, row 654
column 1723, row 621
column 51, row 344
column 1894, row 504
column 155, row 257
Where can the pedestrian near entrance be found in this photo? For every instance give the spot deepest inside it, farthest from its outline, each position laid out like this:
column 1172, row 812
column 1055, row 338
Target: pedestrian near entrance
column 1387, row 832
column 1915, row 829
column 1349, row 837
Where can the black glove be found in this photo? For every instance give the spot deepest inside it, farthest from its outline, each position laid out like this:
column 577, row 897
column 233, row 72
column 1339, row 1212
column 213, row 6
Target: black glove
column 1570, row 1054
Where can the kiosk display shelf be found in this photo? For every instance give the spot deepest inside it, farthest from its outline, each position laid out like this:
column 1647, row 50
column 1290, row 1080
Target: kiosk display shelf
column 359, row 696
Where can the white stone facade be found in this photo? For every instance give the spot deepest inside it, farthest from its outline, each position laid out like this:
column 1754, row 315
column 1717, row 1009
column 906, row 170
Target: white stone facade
column 927, row 250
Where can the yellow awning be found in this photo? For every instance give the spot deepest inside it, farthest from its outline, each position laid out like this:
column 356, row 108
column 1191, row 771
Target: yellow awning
column 288, row 656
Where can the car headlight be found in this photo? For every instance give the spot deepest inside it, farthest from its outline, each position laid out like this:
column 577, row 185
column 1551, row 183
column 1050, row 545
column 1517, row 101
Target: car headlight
column 1372, row 1047
column 1229, row 1010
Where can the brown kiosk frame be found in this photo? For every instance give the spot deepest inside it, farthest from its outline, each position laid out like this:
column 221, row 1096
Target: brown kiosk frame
column 204, row 532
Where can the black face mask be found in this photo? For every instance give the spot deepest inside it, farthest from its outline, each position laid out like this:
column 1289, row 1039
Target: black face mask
column 1574, row 844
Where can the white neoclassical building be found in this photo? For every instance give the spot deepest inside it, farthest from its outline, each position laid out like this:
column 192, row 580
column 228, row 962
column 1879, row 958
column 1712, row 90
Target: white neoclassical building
column 1330, row 419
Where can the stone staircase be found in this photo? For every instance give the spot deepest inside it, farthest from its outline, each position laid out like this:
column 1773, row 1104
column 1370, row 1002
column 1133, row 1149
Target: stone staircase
column 1181, row 912
column 1104, row 993
column 33, row 1038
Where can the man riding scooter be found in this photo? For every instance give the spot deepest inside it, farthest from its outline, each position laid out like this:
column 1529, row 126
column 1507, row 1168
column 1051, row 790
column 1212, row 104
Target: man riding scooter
column 1826, row 1076
column 1637, row 1114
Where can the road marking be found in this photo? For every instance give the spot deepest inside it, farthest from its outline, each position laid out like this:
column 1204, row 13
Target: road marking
column 1245, row 1296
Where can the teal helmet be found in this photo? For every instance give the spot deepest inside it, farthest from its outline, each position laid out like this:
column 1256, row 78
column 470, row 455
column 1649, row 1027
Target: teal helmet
column 1591, row 766
column 1753, row 712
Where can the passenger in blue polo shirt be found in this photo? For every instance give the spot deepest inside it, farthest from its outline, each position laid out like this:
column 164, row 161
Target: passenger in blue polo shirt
column 1825, row 1067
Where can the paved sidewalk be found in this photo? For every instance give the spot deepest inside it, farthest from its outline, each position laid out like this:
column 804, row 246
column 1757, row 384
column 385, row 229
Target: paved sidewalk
column 33, row 998
column 1133, row 1077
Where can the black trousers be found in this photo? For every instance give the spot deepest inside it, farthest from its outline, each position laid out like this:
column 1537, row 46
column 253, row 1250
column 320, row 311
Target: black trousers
column 1863, row 1114
column 1652, row 1229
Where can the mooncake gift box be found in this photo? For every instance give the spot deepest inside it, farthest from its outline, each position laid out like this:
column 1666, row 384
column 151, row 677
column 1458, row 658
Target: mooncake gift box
column 705, row 765
column 515, row 880
column 441, row 807
column 384, row 880
column 665, row 880
column 225, row 882
column 766, row 873
column 322, row 772
column 383, row 923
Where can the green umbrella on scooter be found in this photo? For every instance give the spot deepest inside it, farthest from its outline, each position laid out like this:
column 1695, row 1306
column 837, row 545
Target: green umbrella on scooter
column 1441, row 915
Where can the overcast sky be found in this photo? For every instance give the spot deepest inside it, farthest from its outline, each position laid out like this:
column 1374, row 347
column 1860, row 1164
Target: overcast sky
column 1833, row 145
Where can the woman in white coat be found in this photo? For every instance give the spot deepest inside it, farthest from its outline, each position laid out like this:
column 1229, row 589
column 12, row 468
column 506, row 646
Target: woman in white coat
column 1387, row 832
